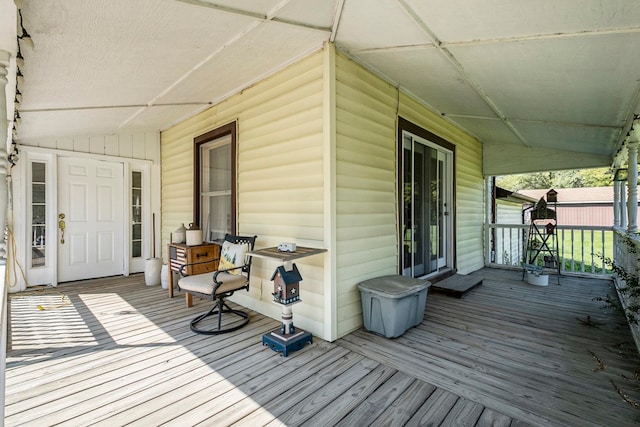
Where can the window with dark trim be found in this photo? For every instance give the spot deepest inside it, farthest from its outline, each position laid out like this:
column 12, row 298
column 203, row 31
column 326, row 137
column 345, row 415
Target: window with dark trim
column 214, row 182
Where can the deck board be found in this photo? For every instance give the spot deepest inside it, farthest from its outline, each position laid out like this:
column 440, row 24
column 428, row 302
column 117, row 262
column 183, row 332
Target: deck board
column 115, row 352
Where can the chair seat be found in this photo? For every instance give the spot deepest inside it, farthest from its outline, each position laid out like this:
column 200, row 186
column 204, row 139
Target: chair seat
column 203, row 283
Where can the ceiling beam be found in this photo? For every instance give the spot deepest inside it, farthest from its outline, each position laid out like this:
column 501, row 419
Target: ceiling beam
column 500, row 40
column 461, row 71
column 107, row 107
column 269, row 17
column 336, row 20
column 531, row 121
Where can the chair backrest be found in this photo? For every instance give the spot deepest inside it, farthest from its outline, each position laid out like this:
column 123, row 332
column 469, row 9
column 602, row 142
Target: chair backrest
column 250, row 241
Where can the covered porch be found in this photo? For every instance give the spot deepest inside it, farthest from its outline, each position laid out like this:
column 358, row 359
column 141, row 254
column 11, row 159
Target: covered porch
column 114, row 351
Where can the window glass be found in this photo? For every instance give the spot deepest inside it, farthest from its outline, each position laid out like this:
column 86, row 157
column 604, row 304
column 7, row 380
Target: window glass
column 136, row 214
column 216, row 188
column 38, row 214
column 214, row 184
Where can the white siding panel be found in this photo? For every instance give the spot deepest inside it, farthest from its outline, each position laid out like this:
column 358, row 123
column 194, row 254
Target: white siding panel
column 111, row 146
column 509, row 213
column 279, row 177
column 81, row 144
column 65, row 144
column 118, row 145
column 138, row 146
column 96, row 144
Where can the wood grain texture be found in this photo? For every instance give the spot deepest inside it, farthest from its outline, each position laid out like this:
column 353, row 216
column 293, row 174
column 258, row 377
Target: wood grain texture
column 115, row 352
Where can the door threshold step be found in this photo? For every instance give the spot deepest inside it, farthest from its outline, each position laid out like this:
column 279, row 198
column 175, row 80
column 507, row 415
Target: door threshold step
column 457, row 285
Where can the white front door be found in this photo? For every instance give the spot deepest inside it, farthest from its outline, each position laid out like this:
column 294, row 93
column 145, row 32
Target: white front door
column 91, row 204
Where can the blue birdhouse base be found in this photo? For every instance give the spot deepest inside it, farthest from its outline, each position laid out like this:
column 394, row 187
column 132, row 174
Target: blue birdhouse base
column 287, row 342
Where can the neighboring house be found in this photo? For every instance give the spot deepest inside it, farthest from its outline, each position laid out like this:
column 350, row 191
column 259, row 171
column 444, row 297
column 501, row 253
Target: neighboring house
column 318, row 165
column 506, row 248
column 508, row 206
column 581, row 206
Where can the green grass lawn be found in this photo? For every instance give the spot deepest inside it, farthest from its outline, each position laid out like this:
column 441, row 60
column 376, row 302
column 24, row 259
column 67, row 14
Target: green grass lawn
column 588, row 246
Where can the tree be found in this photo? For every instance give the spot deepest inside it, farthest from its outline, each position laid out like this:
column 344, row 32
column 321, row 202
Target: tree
column 600, row 177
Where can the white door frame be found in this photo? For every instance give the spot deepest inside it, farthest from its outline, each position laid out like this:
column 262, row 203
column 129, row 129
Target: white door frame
column 19, row 221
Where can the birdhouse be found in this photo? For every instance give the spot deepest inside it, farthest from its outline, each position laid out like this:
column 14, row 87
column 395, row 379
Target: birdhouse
column 541, row 211
column 552, row 196
column 550, row 227
column 286, row 285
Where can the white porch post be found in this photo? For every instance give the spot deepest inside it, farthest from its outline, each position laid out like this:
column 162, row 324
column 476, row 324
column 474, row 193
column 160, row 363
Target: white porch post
column 4, row 164
column 616, row 203
column 632, row 183
column 4, row 202
column 622, row 204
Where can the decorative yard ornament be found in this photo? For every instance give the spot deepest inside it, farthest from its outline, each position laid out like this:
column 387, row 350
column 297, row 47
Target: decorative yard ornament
column 286, row 285
column 541, row 211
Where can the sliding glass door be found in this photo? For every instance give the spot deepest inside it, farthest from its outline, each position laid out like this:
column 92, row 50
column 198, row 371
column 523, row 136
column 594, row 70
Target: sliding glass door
column 426, row 220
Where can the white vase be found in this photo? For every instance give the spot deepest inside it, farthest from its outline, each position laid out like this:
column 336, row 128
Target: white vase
column 178, row 236
column 164, row 276
column 152, row 270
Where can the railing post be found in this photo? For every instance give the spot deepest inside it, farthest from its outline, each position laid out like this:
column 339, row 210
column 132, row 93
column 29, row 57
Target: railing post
column 616, row 203
column 4, row 164
column 622, row 196
column 632, row 183
column 4, row 203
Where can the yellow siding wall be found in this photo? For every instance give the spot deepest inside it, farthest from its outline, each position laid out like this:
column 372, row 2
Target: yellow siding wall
column 284, row 151
column 279, row 178
column 366, row 203
column 366, row 241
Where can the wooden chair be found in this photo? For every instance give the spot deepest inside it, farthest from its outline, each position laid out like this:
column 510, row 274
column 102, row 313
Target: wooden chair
column 221, row 284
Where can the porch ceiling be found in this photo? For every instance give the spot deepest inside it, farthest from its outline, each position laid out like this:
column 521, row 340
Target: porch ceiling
column 549, row 76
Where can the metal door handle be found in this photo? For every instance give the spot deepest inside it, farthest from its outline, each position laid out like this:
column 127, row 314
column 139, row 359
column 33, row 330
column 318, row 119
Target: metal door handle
column 61, row 225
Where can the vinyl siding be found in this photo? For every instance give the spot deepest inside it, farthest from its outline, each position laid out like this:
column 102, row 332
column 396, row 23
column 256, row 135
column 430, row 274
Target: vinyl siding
column 366, row 175
column 306, row 178
column 280, row 185
column 129, row 145
column 366, row 208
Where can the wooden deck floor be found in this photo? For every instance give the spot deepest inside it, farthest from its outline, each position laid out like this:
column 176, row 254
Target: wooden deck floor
column 115, row 352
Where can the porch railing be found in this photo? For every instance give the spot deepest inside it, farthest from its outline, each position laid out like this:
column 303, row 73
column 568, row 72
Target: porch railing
column 581, row 249
column 627, row 257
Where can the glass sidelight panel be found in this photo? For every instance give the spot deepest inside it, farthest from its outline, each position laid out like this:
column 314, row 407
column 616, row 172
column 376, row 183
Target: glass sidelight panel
column 38, row 214
column 136, row 214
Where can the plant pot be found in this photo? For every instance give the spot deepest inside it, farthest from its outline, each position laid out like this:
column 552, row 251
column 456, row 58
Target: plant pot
column 538, row 279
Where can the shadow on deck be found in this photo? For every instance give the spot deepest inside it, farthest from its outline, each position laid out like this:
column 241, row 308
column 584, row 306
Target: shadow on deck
column 113, row 351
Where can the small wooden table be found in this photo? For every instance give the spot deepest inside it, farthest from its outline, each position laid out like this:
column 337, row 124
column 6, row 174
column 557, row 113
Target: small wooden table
column 284, row 257
column 286, row 338
column 206, row 255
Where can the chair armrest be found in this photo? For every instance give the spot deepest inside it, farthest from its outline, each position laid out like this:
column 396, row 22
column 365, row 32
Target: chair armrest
column 215, row 275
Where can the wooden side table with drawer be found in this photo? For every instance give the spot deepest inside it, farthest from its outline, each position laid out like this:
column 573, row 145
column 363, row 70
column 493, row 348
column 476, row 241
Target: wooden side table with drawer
column 181, row 254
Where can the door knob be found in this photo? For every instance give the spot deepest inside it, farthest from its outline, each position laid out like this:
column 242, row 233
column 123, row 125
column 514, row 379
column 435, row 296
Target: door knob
column 61, row 226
